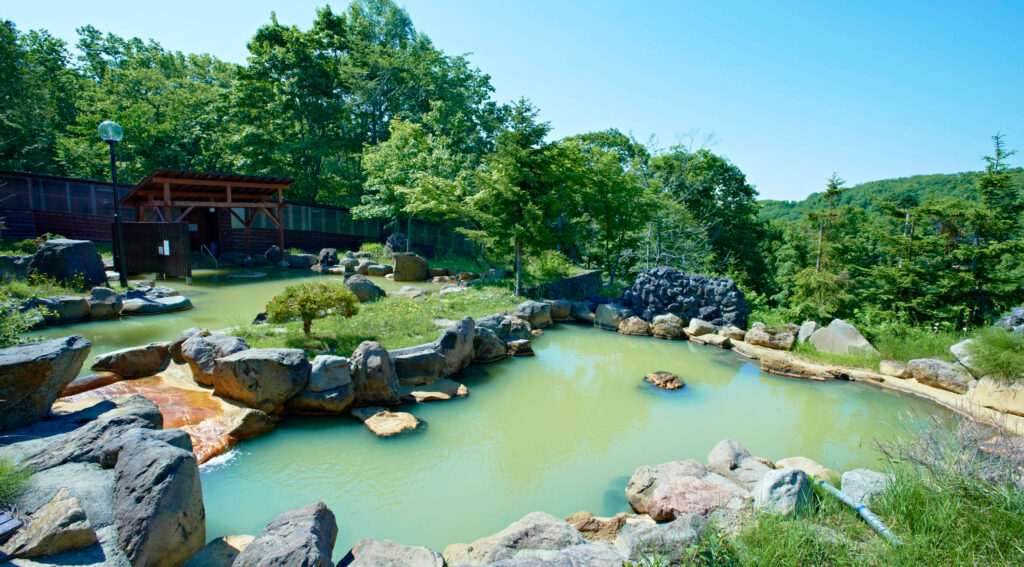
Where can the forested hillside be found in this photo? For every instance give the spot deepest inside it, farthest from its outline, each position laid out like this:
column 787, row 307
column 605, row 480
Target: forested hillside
column 867, row 195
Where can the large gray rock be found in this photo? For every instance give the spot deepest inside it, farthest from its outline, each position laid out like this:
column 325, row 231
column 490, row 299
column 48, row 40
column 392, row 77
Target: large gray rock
column 14, row 267
column 582, row 312
column 262, row 378
column 507, row 328
column 329, row 389
column 700, row 327
column 536, row 532
column 303, row 537
column 940, row 374
column 648, row 478
column 456, row 346
column 372, row 553
column 158, row 504
column 363, row 267
column 842, row 338
column 134, row 362
column 201, row 351
column 537, row 314
column 104, row 303
column 410, row 268
column 174, row 349
column 864, row 484
column 728, row 454
column 417, row 365
column 301, row 260
column 487, row 346
column 609, row 315
column 668, row 326
column 778, row 338
column 153, row 306
column 363, row 288
column 806, row 330
column 32, row 375
column 573, row 556
column 961, row 351
column 69, row 261
column 220, row 552
column 783, row 491
column 274, row 256
column 379, row 270
column 373, row 375
column 112, row 449
column 63, row 309
column 327, row 257
column 640, row 541
column 60, row 525
column 561, row 309
column 711, row 496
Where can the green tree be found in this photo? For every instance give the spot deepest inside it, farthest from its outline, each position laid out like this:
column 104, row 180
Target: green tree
column 312, row 300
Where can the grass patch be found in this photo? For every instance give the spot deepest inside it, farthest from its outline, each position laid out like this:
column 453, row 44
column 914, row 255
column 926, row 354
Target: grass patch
column 998, row 353
column 37, row 285
column 395, row 322
column 378, row 252
column 858, row 359
column 13, row 480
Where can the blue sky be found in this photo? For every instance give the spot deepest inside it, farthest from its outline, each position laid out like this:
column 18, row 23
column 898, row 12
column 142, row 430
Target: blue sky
column 790, row 91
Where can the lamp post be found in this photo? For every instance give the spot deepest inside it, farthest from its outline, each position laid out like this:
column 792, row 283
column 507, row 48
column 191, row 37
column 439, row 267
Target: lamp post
column 111, row 133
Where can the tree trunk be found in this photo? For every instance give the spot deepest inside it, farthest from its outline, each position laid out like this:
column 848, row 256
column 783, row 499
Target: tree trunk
column 821, row 232
column 519, row 268
column 307, row 326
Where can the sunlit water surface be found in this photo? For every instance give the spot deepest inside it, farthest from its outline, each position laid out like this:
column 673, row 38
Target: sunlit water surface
column 559, row 432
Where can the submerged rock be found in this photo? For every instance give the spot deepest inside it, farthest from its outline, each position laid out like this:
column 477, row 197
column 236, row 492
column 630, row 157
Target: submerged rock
column 665, row 380
column 32, row 375
column 521, row 347
column 441, row 390
column 384, row 423
column 303, row 537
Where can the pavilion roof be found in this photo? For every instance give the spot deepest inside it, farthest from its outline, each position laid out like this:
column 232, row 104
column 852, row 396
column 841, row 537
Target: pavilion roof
column 204, row 187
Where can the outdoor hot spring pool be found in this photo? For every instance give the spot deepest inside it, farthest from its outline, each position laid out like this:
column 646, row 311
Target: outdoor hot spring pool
column 559, row 432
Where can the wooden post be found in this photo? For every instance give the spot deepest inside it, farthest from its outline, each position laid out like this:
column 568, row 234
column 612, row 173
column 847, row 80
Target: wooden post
column 280, row 220
column 167, row 202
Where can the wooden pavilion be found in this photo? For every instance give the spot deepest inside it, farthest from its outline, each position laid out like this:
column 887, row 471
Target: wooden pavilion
column 171, row 196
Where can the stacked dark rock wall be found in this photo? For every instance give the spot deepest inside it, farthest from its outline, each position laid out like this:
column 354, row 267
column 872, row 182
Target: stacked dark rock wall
column 668, row 290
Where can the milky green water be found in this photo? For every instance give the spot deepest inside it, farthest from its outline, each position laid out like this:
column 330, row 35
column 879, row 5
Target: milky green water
column 218, row 301
column 560, row 432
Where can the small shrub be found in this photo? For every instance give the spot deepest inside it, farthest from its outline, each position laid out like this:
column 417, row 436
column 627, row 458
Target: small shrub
column 14, row 322
column 312, row 300
column 12, row 482
column 998, row 353
column 549, row 265
column 378, row 252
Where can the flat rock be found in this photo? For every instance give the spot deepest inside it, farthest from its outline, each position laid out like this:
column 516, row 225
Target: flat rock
column 384, row 423
column 665, row 380
column 134, row 362
column 940, row 374
column 440, row 390
column 521, row 347
column 303, row 537
column 32, row 375
column 372, row 553
column 1005, row 397
column 894, row 368
column 59, row 525
column 146, row 306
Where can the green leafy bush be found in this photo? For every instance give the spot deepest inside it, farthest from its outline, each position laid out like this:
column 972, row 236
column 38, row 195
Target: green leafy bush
column 378, row 252
column 998, row 353
column 312, row 300
column 12, row 481
column 549, row 265
column 14, row 322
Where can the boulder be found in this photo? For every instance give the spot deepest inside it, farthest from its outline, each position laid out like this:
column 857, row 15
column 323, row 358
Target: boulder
column 805, row 331
column 634, row 326
column 349, row 263
column 783, row 491
column 363, row 267
column 397, row 242
column 864, row 484
column 842, row 338
column 536, row 532
column 158, row 504
column 14, row 267
column 327, row 257
column 728, row 454
column 410, row 267
column 104, row 303
column 505, row 326
column 714, row 339
column 778, row 338
column 60, row 525
column 134, row 362
column 700, row 327
column 487, row 346
column 537, row 314
column 609, row 316
column 940, row 374
column 220, row 552
column 581, row 312
column 174, row 349
column 112, row 449
column 262, row 378
column 63, row 309
column 665, row 380
column 417, row 365
column 372, row 553
column 384, row 423
column 274, row 256
column 1005, row 397
column 146, row 306
column 668, row 326
column 373, row 375
column 441, row 390
column 378, row 270
column 201, row 351
column 364, row 289
column 329, row 389
column 561, row 309
column 598, row 529
column 894, row 368
column 649, row 477
column 301, row 260
column 810, row 467
column 1013, row 320
column 303, row 537
column 691, row 495
column 521, row 347
column 74, row 262
column 671, row 543
column 456, row 346
column 961, row 351
column 732, row 332
column 32, row 375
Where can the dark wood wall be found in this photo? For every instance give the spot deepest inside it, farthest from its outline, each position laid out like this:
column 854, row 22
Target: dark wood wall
column 23, row 223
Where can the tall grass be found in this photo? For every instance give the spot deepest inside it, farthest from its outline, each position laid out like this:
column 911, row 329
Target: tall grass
column 998, row 353
column 13, row 480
